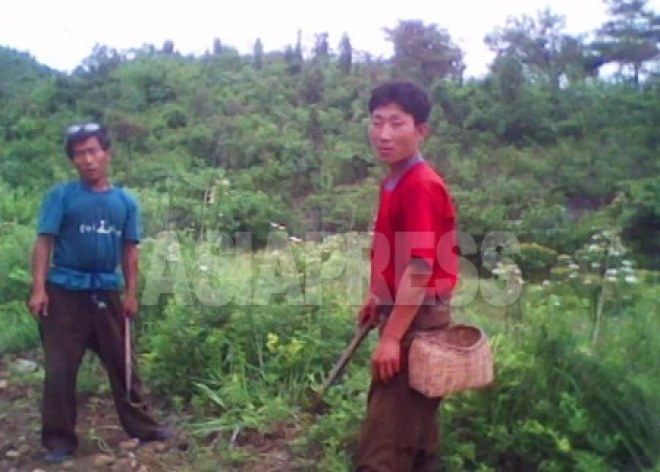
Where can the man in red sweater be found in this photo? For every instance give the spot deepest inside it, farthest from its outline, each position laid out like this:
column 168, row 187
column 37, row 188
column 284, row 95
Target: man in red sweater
column 414, row 268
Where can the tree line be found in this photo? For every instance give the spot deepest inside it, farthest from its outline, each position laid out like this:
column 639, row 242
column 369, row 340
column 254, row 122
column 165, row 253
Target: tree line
column 558, row 138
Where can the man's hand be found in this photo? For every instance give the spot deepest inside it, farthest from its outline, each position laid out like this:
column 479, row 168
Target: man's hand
column 386, row 360
column 38, row 303
column 130, row 306
column 368, row 313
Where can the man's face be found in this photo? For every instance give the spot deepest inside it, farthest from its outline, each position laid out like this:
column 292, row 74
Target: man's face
column 394, row 135
column 91, row 160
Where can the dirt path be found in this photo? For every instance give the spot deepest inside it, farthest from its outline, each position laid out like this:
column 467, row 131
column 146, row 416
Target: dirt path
column 104, row 446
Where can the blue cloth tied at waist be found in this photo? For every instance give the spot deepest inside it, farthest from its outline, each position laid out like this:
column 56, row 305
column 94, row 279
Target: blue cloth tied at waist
column 73, row 279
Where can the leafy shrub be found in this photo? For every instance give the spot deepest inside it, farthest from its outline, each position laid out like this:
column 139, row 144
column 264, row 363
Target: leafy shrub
column 535, row 261
column 346, row 208
column 15, row 243
column 556, row 405
column 640, row 219
column 20, row 329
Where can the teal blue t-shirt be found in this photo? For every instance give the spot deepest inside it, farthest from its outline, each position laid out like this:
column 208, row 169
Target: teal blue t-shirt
column 90, row 229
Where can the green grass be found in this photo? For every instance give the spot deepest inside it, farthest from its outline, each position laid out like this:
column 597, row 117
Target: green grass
column 559, row 403
column 20, row 331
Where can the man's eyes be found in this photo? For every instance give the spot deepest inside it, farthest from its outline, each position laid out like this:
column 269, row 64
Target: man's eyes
column 393, row 124
column 84, row 152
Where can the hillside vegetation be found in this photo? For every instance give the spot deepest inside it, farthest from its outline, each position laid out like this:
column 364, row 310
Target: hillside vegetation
column 556, row 146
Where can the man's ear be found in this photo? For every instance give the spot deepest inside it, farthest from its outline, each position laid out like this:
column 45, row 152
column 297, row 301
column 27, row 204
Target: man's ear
column 422, row 130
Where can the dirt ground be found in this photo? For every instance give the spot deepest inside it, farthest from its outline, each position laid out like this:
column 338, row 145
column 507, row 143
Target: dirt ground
column 104, row 446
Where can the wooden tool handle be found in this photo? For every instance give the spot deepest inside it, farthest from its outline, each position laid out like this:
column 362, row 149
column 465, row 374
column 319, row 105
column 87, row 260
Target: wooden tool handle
column 336, row 371
column 127, row 358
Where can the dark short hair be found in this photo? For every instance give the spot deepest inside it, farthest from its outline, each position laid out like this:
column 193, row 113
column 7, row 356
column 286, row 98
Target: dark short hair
column 412, row 99
column 81, row 132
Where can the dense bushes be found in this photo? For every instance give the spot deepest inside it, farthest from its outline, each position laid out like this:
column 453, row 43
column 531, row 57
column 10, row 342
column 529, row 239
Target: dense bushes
column 561, row 401
column 557, row 403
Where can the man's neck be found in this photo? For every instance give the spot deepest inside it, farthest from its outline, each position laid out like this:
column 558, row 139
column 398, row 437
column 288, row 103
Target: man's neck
column 100, row 185
column 398, row 168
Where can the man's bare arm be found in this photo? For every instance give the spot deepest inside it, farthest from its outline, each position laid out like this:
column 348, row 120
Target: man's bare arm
column 41, row 254
column 130, row 269
column 412, row 289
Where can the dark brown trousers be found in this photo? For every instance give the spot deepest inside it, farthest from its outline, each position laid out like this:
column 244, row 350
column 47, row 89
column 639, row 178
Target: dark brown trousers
column 400, row 432
column 74, row 323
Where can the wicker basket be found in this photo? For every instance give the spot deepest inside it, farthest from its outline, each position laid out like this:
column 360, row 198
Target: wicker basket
column 450, row 360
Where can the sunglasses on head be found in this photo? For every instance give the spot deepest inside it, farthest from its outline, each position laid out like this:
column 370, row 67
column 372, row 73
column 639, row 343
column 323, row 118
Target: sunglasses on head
column 82, row 128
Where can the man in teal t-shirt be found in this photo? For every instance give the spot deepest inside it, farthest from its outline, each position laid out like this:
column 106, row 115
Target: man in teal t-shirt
column 90, row 237
column 86, row 230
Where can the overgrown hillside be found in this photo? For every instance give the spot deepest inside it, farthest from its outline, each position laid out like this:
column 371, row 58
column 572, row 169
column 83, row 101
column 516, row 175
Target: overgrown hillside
column 546, row 148
column 536, row 146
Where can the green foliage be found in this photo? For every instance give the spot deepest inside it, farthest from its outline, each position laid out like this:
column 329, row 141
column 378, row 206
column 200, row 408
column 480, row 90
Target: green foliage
column 535, row 261
column 18, row 73
column 16, row 238
column 550, row 225
column 560, row 402
column 17, row 206
column 345, row 55
column 640, row 218
column 227, row 143
column 630, row 36
column 180, row 335
column 424, row 52
column 518, row 155
column 331, row 439
column 245, row 211
column 557, row 404
column 539, row 45
column 206, row 200
column 346, row 208
column 20, row 328
column 15, row 244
